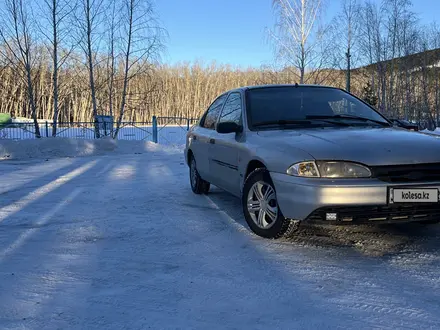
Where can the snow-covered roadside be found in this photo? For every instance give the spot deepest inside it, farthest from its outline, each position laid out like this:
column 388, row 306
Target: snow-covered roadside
column 434, row 132
column 68, row 147
column 121, row 243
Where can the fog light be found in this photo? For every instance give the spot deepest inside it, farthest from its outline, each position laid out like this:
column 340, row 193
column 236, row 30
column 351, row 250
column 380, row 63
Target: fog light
column 331, row 216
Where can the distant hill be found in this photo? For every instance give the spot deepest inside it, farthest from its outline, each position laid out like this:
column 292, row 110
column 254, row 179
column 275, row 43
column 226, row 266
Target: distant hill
column 429, row 59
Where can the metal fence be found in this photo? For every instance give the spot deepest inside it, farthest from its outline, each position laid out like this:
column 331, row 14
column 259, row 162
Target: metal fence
column 165, row 130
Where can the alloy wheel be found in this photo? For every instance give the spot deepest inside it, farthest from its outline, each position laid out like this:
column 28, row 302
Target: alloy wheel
column 262, row 205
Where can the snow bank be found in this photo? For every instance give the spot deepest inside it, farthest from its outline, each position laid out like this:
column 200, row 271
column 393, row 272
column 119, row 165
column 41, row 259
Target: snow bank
column 435, row 132
column 65, row 147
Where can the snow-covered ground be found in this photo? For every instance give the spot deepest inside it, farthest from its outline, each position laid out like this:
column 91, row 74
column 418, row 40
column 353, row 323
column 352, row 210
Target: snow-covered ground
column 111, row 242
column 434, row 132
column 63, row 147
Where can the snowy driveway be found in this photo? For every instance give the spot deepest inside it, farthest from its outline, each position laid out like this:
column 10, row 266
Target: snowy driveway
column 120, row 242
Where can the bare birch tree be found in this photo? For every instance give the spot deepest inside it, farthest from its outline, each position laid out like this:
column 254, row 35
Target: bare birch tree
column 90, row 23
column 295, row 36
column 373, row 46
column 389, row 35
column 112, row 56
column 398, row 19
column 141, row 38
column 56, row 29
column 16, row 34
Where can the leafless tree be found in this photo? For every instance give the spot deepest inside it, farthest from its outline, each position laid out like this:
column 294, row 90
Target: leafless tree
column 112, row 56
column 397, row 20
column 56, row 28
column 434, row 36
column 116, row 68
column 16, row 31
column 373, row 47
column 141, row 39
column 389, row 34
column 90, row 23
column 348, row 25
column 296, row 35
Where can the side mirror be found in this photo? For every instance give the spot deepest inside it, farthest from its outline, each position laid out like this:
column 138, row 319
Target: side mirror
column 229, row 127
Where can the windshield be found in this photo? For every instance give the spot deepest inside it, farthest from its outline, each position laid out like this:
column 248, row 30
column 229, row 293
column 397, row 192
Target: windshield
column 307, row 106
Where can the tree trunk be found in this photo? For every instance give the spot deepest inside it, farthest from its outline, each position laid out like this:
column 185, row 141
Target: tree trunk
column 90, row 64
column 126, row 69
column 348, row 83
column 32, row 101
column 55, row 68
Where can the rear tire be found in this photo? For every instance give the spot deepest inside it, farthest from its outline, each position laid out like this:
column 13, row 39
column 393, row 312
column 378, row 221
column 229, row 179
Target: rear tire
column 260, row 207
column 198, row 185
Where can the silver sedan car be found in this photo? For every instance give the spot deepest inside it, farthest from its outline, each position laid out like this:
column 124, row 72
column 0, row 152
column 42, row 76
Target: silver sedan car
column 296, row 153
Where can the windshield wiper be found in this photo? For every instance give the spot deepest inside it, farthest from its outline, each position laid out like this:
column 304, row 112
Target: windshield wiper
column 328, row 121
column 382, row 123
column 282, row 122
column 298, row 122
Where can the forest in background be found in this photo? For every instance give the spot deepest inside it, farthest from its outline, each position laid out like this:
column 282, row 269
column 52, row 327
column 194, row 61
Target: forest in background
column 83, row 58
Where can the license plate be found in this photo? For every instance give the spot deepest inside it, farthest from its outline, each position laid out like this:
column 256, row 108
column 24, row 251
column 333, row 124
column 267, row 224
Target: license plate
column 413, row 195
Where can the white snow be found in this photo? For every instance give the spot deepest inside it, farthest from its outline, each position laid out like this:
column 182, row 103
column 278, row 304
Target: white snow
column 65, row 147
column 434, row 132
column 119, row 241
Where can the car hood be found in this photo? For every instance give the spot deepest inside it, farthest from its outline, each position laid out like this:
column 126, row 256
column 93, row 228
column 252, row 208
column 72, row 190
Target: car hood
column 370, row 146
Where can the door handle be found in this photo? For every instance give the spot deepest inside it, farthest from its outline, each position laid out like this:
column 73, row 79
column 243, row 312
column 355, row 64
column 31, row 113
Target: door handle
column 212, row 141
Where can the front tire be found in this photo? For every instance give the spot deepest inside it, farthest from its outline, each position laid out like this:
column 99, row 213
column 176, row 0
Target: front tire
column 198, row 185
column 260, row 207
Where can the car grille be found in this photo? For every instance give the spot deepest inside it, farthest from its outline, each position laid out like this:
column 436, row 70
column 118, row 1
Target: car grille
column 407, row 173
column 379, row 213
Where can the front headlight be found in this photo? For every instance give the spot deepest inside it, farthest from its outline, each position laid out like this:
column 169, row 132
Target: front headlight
column 306, row 169
column 329, row 169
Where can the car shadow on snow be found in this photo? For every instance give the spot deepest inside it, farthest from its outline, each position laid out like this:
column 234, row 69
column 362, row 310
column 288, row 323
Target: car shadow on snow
column 372, row 240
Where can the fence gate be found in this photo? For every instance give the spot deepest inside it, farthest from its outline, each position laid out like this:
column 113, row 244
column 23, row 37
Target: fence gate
column 139, row 131
column 171, row 130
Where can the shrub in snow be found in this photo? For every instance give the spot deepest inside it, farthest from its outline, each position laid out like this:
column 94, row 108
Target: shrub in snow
column 5, row 118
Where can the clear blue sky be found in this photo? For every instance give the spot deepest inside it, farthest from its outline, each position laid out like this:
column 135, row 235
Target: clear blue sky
column 233, row 31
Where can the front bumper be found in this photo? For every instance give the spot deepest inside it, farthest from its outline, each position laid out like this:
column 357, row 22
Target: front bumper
column 354, row 200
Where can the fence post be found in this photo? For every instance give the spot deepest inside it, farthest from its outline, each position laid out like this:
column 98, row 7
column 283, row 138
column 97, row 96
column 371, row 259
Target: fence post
column 105, row 128
column 47, row 129
column 154, row 129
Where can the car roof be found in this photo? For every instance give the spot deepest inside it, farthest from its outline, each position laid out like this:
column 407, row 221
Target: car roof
column 278, row 85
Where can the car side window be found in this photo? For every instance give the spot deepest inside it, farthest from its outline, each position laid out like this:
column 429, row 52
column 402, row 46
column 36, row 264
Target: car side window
column 212, row 114
column 232, row 110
